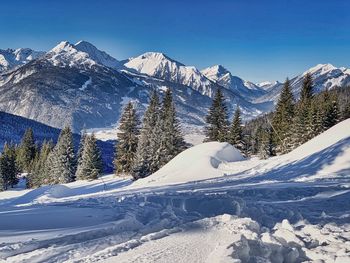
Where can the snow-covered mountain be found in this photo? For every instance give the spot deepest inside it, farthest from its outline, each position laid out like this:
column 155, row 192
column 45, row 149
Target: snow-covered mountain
column 80, row 85
column 223, row 77
column 325, row 76
column 11, row 58
column 81, row 53
column 161, row 66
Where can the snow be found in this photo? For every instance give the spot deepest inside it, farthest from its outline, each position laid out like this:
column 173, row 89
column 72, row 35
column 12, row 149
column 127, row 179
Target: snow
column 12, row 58
column 197, row 163
column 207, row 205
column 82, row 53
column 159, row 65
column 86, row 84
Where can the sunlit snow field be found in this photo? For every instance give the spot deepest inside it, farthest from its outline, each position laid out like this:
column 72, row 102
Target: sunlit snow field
column 207, row 205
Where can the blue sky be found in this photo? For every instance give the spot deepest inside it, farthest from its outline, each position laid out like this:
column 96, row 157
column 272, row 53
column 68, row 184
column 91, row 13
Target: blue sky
column 255, row 39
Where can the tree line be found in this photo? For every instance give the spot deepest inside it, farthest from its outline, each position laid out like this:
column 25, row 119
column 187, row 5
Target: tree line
column 291, row 124
column 49, row 163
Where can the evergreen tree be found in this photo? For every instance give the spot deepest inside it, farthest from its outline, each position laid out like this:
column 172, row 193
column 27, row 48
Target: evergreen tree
column 8, row 168
column 267, row 147
column 171, row 140
column 127, row 140
column 302, row 125
column 146, row 150
column 235, row 135
column 62, row 159
column 27, row 151
column 345, row 114
column 90, row 165
column 283, row 118
column 217, row 119
column 81, row 145
column 330, row 110
column 306, row 93
column 314, row 119
column 38, row 175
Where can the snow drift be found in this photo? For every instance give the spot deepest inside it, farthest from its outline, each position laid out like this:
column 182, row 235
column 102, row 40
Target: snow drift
column 197, row 163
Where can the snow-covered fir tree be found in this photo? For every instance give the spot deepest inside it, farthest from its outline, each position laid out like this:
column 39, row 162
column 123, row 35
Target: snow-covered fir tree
column 90, row 163
column 127, row 141
column 217, row 119
column 142, row 166
column 235, row 136
column 283, row 119
column 171, row 140
column 62, row 161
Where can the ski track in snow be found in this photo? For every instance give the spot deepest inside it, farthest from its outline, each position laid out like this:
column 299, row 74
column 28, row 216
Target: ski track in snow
column 248, row 211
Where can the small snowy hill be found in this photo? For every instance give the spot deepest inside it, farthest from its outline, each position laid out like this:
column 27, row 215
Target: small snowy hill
column 197, row 163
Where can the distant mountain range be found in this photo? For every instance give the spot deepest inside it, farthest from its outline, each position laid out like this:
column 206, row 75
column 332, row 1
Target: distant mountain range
column 80, row 85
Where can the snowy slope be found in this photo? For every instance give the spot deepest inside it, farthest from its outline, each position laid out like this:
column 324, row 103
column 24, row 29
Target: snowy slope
column 258, row 212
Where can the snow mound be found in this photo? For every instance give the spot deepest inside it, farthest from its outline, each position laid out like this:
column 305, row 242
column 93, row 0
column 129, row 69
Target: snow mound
column 197, row 163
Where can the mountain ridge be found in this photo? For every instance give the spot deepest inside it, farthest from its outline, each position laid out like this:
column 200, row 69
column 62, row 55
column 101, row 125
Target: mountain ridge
column 80, row 85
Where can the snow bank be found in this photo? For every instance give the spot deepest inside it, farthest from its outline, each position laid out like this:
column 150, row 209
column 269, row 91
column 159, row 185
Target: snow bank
column 42, row 194
column 197, row 163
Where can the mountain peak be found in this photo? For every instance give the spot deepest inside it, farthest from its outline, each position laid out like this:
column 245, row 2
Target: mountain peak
column 158, row 57
column 321, row 68
column 82, row 52
column 63, row 45
column 216, row 72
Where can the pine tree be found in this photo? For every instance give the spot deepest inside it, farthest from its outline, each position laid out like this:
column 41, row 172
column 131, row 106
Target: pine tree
column 283, row 118
column 62, row 159
column 267, row 147
column 27, row 151
column 81, row 145
column 345, row 114
column 314, row 119
column 90, row 165
column 330, row 110
column 127, row 141
column 171, row 140
column 217, row 119
column 146, row 150
column 38, row 175
column 235, row 136
column 8, row 167
column 302, row 125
